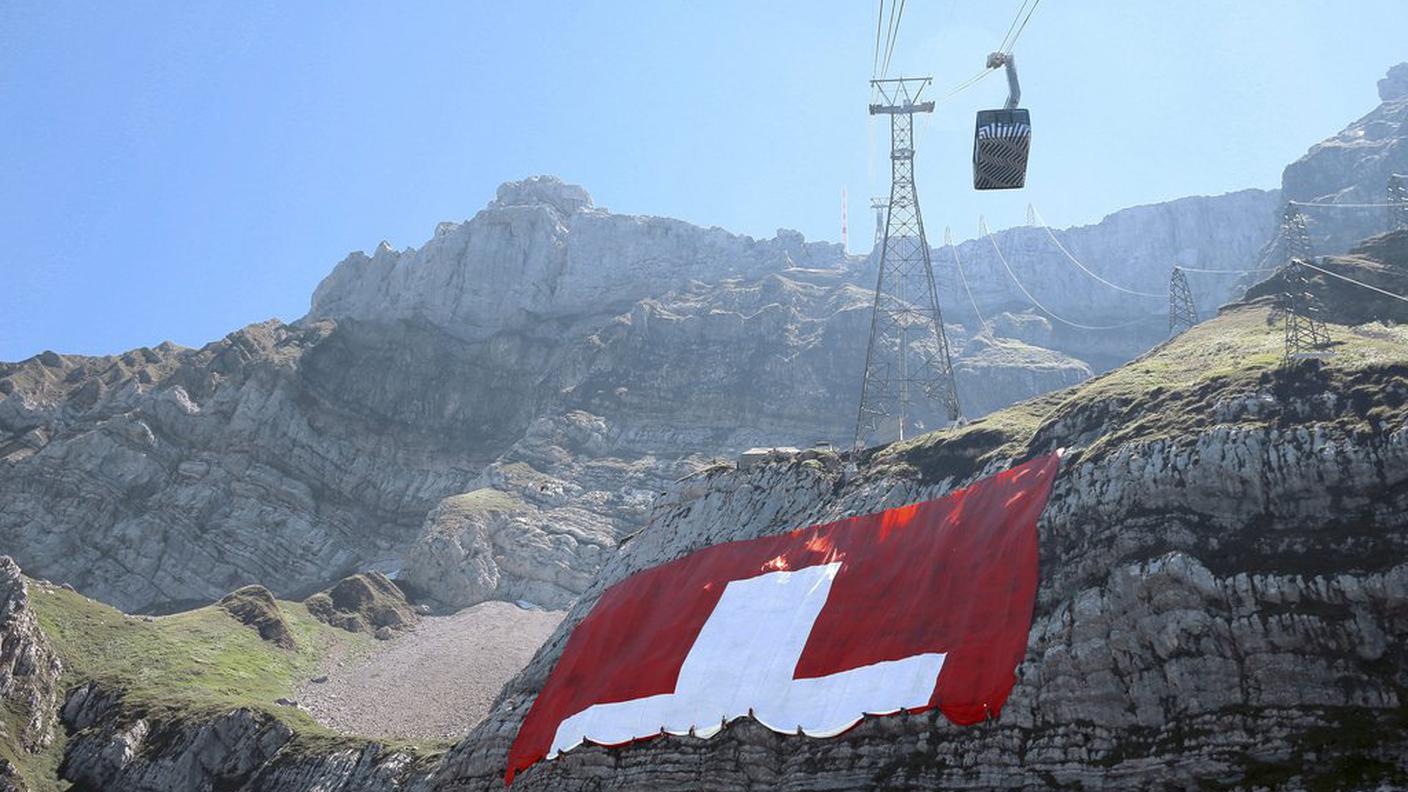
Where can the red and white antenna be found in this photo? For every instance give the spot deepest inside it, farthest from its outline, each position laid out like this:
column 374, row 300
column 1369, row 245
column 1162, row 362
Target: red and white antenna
column 845, row 241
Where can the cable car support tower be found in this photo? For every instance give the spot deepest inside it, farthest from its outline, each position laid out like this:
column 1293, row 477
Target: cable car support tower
column 879, row 205
column 1182, row 313
column 908, row 356
column 1306, row 335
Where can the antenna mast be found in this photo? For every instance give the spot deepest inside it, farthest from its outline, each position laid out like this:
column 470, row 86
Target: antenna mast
column 908, row 348
column 845, row 242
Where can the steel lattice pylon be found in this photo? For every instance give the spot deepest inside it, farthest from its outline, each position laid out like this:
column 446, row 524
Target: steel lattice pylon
column 879, row 205
column 1398, row 202
column 1182, row 314
column 1295, row 233
column 908, row 355
column 1306, row 336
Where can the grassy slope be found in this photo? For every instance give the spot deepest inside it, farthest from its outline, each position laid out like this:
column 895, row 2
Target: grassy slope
column 189, row 665
column 1168, row 391
column 40, row 772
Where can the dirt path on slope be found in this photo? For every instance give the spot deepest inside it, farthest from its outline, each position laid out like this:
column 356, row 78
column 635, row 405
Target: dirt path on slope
column 434, row 682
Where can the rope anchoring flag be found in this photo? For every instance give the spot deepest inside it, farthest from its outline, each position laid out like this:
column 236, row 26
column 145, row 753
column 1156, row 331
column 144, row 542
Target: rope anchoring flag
column 908, row 609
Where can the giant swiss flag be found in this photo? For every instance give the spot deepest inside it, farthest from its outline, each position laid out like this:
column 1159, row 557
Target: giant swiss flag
column 915, row 607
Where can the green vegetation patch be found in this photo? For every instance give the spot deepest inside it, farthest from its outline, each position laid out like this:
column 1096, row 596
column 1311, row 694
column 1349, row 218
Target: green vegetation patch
column 40, row 771
column 1183, row 386
column 194, row 665
column 485, row 499
column 201, row 661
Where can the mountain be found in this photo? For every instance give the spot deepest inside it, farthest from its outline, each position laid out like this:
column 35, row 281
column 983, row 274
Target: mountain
column 548, row 397
column 1221, row 585
column 546, row 366
column 1222, row 572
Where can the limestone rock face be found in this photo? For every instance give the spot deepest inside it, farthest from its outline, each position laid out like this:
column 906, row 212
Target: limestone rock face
column 1135, row 249
column 29, row 674
column 280, row 455
column 1215, row 607
column 576, row 360
column 1353, row 167
column 542, row 251
column 238, row 750
column 1394, row 85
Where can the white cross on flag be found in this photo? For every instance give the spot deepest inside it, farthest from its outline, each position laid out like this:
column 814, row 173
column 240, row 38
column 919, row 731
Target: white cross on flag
column 908, row 609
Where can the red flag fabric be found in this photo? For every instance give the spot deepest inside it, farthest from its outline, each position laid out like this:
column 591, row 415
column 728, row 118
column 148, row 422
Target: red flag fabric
column 921, row 606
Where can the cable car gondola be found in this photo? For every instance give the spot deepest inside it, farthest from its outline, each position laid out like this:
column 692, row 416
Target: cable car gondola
column 1003, row 137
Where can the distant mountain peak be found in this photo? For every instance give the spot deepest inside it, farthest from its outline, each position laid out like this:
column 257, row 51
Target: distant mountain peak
column 543, row 190
column 1394, row 85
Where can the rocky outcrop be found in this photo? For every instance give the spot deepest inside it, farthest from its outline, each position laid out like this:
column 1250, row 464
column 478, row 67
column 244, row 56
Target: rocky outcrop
column 254, row 607
column 540, row 251
column 366, row 602
column 234, row 751
column 280, row 455
column 1353, row 168
column 574, row 359
column 29, row 678
column 1218, row 607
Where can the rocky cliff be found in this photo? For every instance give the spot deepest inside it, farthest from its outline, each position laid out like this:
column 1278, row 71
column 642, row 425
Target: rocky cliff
column 1222, row 587
column 280, row 454
column 1353, row 168
column 1222, row 578
column 547, row 365
column 29, row 685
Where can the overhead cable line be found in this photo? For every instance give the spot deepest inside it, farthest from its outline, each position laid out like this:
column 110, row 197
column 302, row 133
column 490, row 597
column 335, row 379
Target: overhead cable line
column 894, row 37
column 889, row 37
column 982, row 228
column 1349, row 205
column 1085, row 269
column 879, row 19
column 948, row 240
column 1006, row 45
column 1384, row 292
column 965, row 85
column 1271, row 247
column 1002, row 47
column 1013, row 42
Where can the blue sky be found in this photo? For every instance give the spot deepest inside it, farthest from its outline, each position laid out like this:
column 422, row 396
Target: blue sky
column 173, row 171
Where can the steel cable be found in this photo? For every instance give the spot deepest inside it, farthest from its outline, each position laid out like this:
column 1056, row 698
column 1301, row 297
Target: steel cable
column 1384, row 292
column 948, row 240
column 1038, row 304
column 1085, row 269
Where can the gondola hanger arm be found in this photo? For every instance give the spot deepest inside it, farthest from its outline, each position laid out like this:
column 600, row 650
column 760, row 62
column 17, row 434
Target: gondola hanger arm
column 1014, row 89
